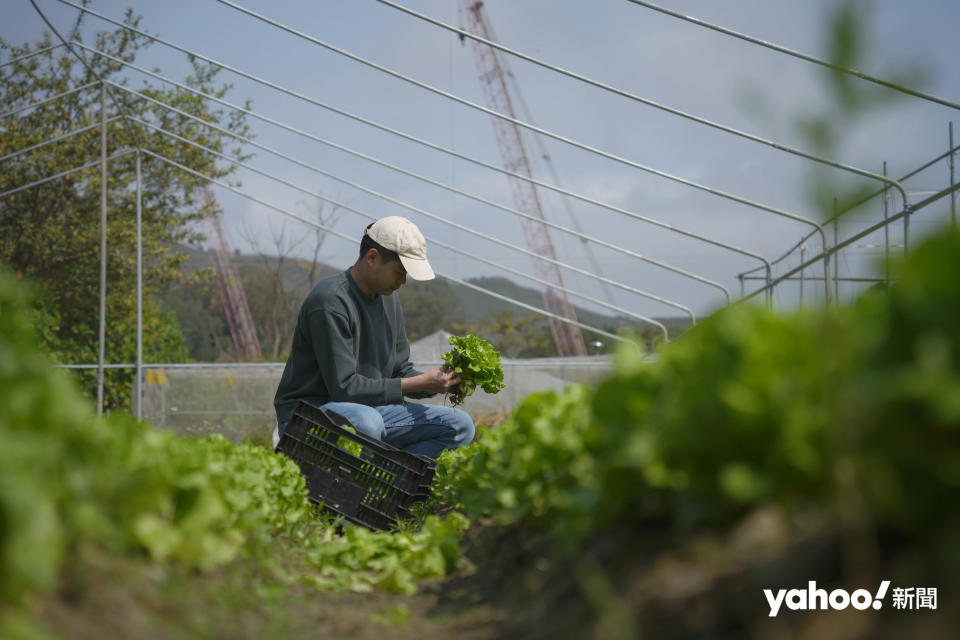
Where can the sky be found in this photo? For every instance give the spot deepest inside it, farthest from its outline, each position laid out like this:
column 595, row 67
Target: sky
column 635, row 49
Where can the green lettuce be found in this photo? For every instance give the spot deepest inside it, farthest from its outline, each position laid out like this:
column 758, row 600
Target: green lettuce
column 478, row 365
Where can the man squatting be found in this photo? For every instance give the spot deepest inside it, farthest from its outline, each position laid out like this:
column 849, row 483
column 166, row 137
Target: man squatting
column 350, row 352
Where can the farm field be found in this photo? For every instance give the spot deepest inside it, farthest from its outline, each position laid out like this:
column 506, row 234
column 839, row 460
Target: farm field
column 760, row 453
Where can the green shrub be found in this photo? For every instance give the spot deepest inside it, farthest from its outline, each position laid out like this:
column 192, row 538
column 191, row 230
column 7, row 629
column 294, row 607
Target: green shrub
column 71, row 482
column 852, row 413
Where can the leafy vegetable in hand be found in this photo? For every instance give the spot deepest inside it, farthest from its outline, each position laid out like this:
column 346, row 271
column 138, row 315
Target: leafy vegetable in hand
column 477, row 363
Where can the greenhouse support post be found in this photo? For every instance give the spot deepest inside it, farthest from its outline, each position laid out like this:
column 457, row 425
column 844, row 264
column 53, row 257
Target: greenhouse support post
column 836, row 241
column 886, row 232
column 803, row 256
column 138, row 386
column 103, row 246
column 953, row 196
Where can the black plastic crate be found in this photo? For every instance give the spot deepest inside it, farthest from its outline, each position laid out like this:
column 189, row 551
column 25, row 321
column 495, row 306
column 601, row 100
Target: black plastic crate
column 375, row 488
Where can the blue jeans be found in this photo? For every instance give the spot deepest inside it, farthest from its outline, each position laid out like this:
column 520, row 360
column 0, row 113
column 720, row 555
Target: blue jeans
column 418, row 428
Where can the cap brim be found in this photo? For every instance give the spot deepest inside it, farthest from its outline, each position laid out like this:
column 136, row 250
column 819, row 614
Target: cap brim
column 418, row 269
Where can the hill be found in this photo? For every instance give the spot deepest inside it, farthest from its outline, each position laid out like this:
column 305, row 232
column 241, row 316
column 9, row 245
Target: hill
column 275, row 286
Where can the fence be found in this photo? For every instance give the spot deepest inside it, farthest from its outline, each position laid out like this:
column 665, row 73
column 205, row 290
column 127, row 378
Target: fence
column 236, row 400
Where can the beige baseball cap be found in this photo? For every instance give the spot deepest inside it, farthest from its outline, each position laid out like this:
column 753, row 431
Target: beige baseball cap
column 404, row 238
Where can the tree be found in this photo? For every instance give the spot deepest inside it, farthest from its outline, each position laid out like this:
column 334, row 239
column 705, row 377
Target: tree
column 429, row 306
column 50, row 233
column 276, row 288
column 514, row 337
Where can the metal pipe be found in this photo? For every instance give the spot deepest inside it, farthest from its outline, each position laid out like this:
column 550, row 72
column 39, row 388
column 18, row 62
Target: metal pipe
column 30, row 55
column 836, row 239
column 101, row 341
column 587, row 362
column 886, row 233
column 553, row 315
column 377, row 194
column 138, row 387
column 801, row 278
column 525, row 125
column 50, row 99
column 801, row 56
column 40, row 145
column 432, row 216
column 544, row 132
column 355, row 241
column 803, row 252
column 915, row 207
column 766, row 264
column 57, row 176
column 906, row 233
column 43, row 16
column 863, row 200
column 606, row 87
column 953, row 196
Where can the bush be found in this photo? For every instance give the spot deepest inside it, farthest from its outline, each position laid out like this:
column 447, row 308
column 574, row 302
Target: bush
column 72, row 482
column 852, row 413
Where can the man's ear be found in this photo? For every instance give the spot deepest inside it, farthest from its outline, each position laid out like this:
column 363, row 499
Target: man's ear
column 371, row 256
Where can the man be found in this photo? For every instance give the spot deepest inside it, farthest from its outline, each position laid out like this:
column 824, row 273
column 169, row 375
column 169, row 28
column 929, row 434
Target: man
column 350, row 352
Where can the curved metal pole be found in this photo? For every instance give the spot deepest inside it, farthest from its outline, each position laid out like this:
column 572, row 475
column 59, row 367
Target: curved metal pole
column 30, row 55
column 405, row 136
column 50, row 99
column 57, row 176
column 138, row 387
column 423, row 212
column 802, row 56
column 334, row 232
column 300, row 96
column 43, row 16
column 861, row 234
column 102, row 339
column 626, row 94
column 863, row 200
column 520, row 123
column 46, row 143
column 577, row 234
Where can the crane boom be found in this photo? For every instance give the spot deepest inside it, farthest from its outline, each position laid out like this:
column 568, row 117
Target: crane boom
column 232, row 296
column 567, row 337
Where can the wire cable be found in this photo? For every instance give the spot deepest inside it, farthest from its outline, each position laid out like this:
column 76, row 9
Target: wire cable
column 862, row 201
column 377, row 194
column 620, row 92
column 390, row 130
column 355, row 241
column 30, row 55
column 802, row 56
column 90, row 69
column 865, row 232
column 550, row 134
column 432, row 216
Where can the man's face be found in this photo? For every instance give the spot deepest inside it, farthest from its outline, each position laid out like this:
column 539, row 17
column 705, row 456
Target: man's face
column 388, row 276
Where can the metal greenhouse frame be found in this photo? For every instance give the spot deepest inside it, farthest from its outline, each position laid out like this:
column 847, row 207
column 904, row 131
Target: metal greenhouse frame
column 111, row 113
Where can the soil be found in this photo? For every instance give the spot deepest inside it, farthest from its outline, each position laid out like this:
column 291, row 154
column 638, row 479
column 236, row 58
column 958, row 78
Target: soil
column 645, row 582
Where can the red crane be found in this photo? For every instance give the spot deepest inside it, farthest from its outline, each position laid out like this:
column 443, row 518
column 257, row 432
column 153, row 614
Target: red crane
column 234, row 300
column 566, row 336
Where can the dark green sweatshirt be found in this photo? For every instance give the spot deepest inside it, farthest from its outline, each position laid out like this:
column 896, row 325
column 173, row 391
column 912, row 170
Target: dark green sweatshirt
column 347, row 347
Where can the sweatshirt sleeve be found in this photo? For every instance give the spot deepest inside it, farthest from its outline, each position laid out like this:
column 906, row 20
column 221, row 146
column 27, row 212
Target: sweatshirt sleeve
column 404, row 368
column 333, row 348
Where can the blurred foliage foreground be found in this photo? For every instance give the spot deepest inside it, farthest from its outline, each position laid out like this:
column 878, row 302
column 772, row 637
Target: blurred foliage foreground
column 843, row 422
column 73, row 485
column 849, row 417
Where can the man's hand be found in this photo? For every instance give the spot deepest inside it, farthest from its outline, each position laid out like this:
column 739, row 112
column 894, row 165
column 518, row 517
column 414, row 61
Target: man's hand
column 439, row 380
